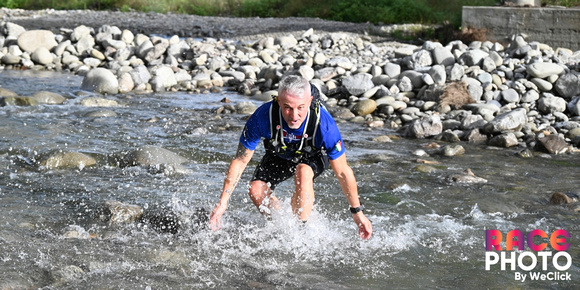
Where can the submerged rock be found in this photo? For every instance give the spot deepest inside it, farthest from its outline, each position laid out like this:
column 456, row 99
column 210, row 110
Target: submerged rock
column 122, row 213
column 467, row 177
column 564, row 198
column 70, row 159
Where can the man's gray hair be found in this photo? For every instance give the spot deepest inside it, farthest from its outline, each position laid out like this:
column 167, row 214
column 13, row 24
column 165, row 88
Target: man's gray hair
column 294, row 85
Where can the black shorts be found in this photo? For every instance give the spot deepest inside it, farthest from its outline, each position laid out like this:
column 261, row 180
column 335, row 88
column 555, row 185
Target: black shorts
column 274, row 169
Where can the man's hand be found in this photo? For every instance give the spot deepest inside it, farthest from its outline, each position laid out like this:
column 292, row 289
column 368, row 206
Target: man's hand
column 215, row 218
column 365, row 228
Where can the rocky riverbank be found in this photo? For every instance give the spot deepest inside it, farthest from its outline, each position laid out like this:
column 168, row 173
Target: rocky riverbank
column 523, row 93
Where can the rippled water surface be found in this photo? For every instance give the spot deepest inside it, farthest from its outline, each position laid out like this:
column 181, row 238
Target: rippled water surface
column 428, row 233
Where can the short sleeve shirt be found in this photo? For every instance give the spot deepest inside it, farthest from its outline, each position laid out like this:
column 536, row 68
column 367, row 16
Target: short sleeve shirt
column 327, row 135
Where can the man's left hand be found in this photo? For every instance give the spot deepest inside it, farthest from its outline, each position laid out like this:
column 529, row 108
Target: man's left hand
column 365, row 228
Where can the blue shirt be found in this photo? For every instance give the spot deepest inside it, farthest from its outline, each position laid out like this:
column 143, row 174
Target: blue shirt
column 327, row 136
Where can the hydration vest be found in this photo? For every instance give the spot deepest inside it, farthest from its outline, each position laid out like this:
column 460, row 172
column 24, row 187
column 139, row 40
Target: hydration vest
column 305, row 148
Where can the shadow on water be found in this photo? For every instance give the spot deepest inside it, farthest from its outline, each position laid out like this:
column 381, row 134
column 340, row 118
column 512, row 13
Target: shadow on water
column 428, row 232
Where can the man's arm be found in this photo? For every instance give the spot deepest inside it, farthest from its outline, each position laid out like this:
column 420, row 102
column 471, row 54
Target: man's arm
column 348, row 184
column 237, row 166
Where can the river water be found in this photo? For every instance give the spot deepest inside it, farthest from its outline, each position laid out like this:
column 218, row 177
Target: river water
column 428, row 233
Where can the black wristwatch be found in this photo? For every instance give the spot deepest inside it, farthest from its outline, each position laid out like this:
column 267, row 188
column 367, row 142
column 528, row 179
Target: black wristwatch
column 354, row 210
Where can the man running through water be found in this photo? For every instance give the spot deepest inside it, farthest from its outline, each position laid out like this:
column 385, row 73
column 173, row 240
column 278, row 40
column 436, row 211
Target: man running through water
column 301, row 140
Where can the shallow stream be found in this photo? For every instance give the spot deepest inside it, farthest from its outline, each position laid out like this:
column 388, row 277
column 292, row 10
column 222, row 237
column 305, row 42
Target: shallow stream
column 428, row 233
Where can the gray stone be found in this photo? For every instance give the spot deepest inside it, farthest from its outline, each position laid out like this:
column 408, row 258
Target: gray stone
column 443, row 56
column 424, row 127
column 79, row 32
column 100, row 80
column 507, row 122
column 392, row 69
column 568, row 86
column 340, row 61
column 358, row 84
column 404, row 84
column 549, row 104
column 42, row 56
column 530, row 96
column 474, row 57
column 163, row 78
column 33, row 39
column 543, row 85
column 544, row 69
column 456, row 72
column 84, row 44
column 98, row 102
column 510, row 96
column 505, row 140
column 438, row 74
column 286, row 42
column 574, row 106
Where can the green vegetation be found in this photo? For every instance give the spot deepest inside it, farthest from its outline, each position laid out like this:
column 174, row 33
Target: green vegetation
column 374, row 11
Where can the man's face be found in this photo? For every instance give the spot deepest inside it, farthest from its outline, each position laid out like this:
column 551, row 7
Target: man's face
column 294, row 108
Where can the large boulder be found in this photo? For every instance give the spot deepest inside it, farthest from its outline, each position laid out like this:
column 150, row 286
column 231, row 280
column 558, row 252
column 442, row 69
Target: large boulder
column 507, row 122
column 100, row 80
column 33, row 39
column 358, row 84
column 424, row 127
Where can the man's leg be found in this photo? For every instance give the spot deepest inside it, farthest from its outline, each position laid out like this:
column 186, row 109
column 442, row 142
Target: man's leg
column 303, row 198
column 261, row 195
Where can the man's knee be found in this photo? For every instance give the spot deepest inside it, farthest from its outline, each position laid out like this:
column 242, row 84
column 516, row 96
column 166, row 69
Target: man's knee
column 304, row 170
column 258, row 188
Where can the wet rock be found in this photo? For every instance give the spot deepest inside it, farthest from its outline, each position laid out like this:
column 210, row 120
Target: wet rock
column 245, row 108
column 101, row 114
column 98, row 102
column 70, row 273
column 18, row 101
column 7, row 93
column 563, row 198
column 70, row 159
column 552, row 144
column 152, row 156
column 45, row 97
column 364, row 107
column 122, row 213
column 505, row 140
column 467, row 177
column 452, row 150
column 423, row 168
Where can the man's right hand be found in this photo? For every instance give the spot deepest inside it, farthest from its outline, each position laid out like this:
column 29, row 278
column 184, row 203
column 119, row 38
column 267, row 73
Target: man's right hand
column 215, row 218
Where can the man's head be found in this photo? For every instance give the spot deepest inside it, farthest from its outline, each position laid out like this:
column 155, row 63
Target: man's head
column 294, row 99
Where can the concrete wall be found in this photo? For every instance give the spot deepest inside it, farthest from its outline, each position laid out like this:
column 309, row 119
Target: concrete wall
column 556, row 27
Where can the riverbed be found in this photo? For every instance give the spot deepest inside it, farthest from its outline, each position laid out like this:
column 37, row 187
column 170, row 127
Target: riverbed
column 428, row 232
